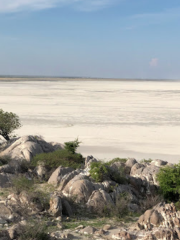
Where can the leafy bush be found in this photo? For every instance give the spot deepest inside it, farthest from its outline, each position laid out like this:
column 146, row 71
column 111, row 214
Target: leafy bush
column 58, row 158
column 169, row 182
column 72, row 146
column 100, row 171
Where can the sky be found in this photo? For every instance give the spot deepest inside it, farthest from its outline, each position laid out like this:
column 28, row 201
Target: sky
column 90, row 38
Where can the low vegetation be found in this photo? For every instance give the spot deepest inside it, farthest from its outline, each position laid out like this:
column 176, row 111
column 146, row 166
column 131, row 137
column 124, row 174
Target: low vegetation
column 66, row 157
column 169, row 182
column 120, row 209
column 22, row 184
column 34, row 231
column 146, row 160
column 100, row 171
column 150, row 201
column 115, row 160
column 91, row 221
column 58, row 158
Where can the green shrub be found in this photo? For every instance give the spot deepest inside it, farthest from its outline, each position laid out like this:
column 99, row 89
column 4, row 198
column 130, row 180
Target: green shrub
column 169, row 182
column 99, row 171
column 115, row 160
column 146, row 160
column 58, row 158
column 72, row 146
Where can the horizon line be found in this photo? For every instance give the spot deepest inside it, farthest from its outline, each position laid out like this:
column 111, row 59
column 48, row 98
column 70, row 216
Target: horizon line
column 83, row 77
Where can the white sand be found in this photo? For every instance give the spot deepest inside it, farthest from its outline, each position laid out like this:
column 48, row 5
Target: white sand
column 111, row 118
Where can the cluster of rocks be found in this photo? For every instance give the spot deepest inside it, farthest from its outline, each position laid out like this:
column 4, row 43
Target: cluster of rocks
column 76, row 190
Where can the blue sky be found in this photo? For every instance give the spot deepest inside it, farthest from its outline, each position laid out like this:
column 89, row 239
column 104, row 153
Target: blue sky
column 90, row 38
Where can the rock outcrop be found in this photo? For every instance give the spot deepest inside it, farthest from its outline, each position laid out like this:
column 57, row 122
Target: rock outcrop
column 58, row 175
column 99, row 201
column 55, row 206
column 162, row 215
column 27, row 147
column 79, row 188
column 72, row 191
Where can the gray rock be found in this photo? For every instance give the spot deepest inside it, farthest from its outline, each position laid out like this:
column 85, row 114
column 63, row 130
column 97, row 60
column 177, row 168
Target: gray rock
column 4, row 235
column 98, row 201
column 55, row 206
column 147, row 173
column 162, row 215
column 66, row 178
column 89, row 160
column 107, row 227
column 2, row 140
column 27, row 147
column 5, row 180
column 5, row 212
column 137, row 169
column 122, row 235
column 109, row 185
column 88, row 230
column 67, row 210
column 7, row 169
column 130, row 192
column 159, row 162
column 14, row 231
column 80, row 188
column 98, row 186
column 58, row 174
column 130, row 162
column 2, row 221
column 41, row 171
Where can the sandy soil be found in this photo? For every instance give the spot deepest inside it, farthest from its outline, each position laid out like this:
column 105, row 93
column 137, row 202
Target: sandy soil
column 138, row 119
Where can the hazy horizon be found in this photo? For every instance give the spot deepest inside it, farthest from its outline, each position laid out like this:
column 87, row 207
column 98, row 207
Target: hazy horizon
column 23, row 77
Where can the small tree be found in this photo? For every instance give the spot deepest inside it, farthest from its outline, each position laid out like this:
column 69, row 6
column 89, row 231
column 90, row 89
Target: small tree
column 8, row 123
column 72, row 146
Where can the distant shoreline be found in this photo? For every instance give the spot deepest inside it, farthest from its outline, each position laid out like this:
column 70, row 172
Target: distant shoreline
column 31, row 78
